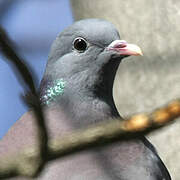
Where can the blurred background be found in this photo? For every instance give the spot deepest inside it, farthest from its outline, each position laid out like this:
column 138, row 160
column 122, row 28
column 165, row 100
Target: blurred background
column 142, row 84
column 32, row 25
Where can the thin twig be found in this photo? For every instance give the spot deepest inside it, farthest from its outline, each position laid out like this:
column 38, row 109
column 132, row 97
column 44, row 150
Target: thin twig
column 114, row 130
column 7, row 49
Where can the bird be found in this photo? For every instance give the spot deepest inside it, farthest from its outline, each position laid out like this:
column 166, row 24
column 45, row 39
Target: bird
column 76, row 91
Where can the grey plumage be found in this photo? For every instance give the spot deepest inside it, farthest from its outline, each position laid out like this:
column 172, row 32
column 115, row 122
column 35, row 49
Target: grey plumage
column 85, row 97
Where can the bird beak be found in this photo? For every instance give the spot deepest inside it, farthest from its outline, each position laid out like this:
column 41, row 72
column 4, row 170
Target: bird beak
column 123, row 48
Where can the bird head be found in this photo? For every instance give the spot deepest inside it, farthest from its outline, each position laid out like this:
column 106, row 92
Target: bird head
column 86, row 56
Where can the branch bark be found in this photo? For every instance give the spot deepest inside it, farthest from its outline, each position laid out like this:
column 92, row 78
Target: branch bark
column 25, row 163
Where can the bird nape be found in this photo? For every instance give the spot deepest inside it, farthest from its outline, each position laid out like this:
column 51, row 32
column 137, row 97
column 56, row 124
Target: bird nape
column 76, row 90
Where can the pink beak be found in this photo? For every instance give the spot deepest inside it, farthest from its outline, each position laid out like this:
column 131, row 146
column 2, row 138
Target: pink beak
column 123, row 48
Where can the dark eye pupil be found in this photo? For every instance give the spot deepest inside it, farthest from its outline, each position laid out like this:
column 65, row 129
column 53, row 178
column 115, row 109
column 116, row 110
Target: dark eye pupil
column 80, row 44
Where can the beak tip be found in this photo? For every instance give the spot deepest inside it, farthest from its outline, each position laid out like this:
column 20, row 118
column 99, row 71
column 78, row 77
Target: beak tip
column 140, row 53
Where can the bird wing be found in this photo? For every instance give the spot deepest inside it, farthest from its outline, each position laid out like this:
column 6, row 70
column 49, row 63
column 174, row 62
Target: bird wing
column 122, row 160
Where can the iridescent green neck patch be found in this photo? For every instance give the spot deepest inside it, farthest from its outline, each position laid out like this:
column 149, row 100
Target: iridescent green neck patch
column 56, row 89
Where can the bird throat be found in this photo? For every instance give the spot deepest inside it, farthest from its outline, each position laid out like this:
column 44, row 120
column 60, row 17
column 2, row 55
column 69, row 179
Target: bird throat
column 59, row 92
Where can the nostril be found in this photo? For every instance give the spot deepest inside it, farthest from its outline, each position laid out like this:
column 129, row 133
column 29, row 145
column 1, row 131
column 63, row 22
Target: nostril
column 120, row 45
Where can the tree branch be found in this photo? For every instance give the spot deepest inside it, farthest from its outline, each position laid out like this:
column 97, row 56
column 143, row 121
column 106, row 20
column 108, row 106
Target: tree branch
column 99, row 134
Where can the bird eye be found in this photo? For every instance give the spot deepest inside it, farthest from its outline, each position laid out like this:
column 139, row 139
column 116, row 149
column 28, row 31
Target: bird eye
column 80, row 44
